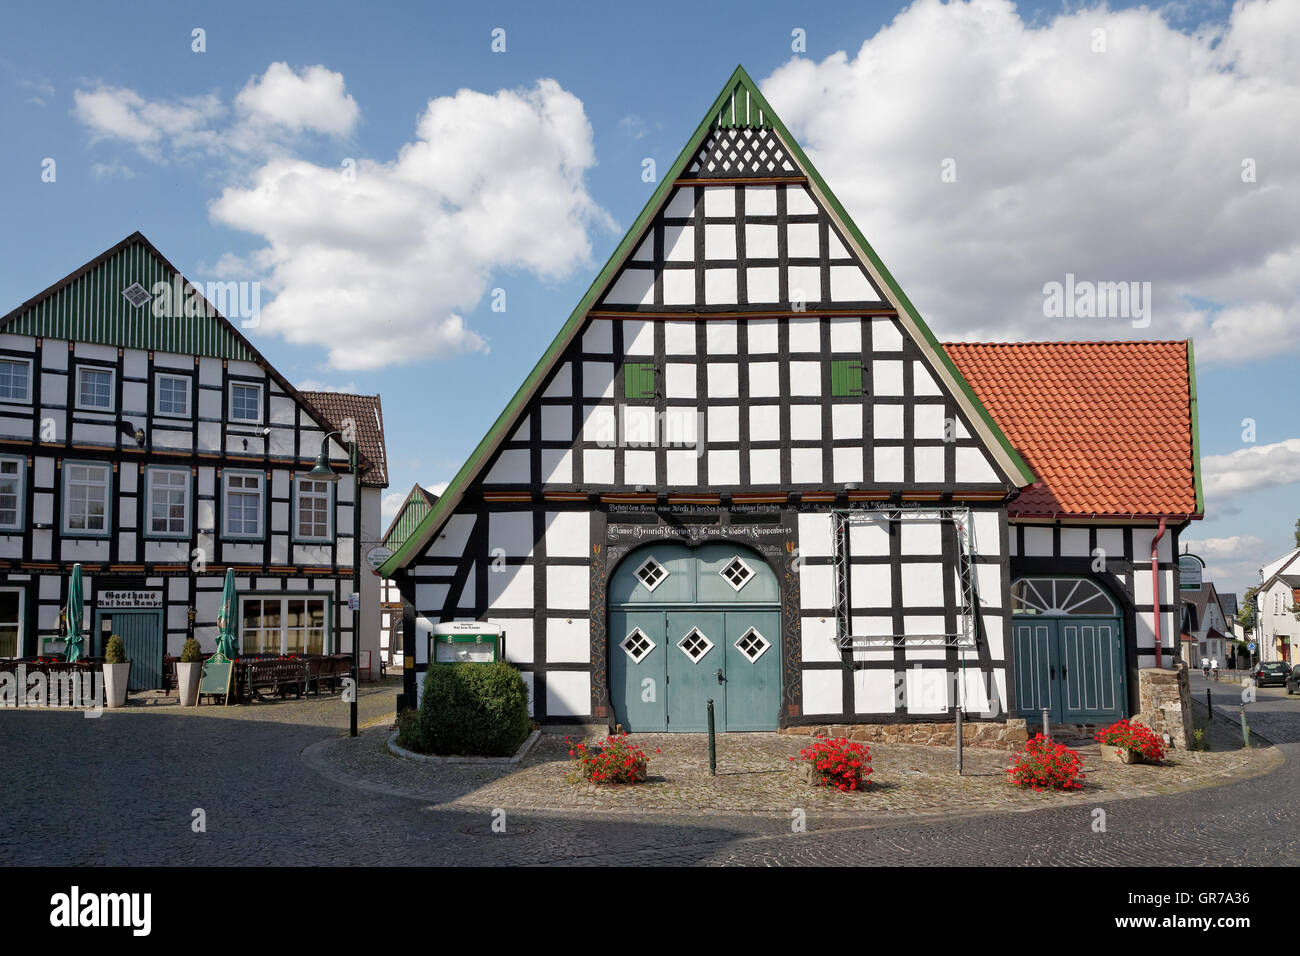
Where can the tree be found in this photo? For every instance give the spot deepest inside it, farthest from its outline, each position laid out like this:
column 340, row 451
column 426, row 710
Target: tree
column 1248, row 612
column 1297, row 532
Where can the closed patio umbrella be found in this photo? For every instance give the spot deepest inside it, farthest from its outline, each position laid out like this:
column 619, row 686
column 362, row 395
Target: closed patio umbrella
column 227, row 646
column 73, row 643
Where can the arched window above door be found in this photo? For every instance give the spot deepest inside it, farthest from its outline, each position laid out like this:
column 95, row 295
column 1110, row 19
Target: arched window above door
column 1059, row 597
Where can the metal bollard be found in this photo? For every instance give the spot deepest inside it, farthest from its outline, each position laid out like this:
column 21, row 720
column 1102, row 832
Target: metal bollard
column 959, row 740
column 713, row 745
column 1245, row 727
column 1047, row 728
column 1209, row 704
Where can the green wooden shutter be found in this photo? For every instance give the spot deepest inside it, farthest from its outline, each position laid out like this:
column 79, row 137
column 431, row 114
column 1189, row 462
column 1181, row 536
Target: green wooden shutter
column 846, row 378
column 639, row 380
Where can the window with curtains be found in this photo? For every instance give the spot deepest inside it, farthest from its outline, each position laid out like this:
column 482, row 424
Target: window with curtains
column 85, row 498
column 11, row 493
column 313, row 509
column 282, row 624
column 169, row 501
column 243, row 503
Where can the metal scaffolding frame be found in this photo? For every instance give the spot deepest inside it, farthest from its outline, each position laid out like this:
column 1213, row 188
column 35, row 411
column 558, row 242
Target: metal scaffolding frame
column 960, row 519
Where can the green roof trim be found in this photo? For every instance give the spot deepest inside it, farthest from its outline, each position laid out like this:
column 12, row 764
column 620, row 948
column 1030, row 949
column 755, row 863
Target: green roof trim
column 1196, row 427
column 418, row 503
column 725, row 111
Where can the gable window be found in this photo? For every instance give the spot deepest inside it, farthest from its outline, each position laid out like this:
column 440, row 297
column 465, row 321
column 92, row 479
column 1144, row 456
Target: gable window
column 313, row 509
column 94, row 387
column 11, row 494
column 287, row 624
column 15, row 380
column 245, row 402
column 85, row 498
column 169, row 502
column 243, row 504
column 173, row 396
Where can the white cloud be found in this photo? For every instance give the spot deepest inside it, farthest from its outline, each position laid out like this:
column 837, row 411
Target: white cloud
column 381, row 267
column 313, row 385
column 1251, row 468
column 1234, row 548
column 1117, row 165
column 314, row 100
column 156, row 128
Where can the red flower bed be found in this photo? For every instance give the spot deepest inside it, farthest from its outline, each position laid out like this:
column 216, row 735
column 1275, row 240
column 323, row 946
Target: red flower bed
column 612, row 760
column 1044, row 765
column 1136, row 737
column 842, row 763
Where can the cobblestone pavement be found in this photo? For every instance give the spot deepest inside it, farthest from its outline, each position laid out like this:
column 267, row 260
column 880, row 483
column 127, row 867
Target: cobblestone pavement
column 755, row 774
column 1273, row 714
column 123, row 788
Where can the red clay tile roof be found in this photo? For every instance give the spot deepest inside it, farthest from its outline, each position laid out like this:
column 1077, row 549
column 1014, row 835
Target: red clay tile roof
column 366, row 411
column 1105, row 426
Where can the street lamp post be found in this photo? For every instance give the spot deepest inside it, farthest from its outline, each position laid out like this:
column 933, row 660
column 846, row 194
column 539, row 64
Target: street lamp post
column 323, row 472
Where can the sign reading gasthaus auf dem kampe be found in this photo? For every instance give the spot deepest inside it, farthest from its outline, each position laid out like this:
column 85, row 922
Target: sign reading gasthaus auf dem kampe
column 126, row 599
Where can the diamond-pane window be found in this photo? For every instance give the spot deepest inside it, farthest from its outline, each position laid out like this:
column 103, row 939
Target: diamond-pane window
column 737, row 573
column 637, row 645
column 651, row 573
column 136, row 294
column 752, row 644
column 695, row 645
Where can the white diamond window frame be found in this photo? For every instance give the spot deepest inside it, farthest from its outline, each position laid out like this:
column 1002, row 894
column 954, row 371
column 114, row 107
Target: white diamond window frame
column 656, row 572
column 762, row 643
column 136, row 294
column 637, row 650
column 745, row 572
column 690, row 639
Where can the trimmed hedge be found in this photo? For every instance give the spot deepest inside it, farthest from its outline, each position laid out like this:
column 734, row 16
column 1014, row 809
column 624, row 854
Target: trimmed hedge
column 473, row 710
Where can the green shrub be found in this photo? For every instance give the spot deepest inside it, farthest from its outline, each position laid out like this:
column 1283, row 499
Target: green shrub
column 115, row 651
column 408, row 730
column 191, row 653
column 474, row 710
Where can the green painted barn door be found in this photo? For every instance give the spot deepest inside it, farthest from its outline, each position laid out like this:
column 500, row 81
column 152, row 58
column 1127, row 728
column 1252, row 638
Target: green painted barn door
column 753, row 670
column 697, row 654
column 142, row 636
column 1090, row 672
column 1036, row 650
column 638, row 670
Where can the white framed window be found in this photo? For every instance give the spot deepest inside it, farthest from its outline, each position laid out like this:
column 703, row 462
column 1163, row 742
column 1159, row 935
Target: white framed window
column 242, row 505
column 85, row 498
column 169, row 502
column 312, row 509
column 282, row 624
column 94, row 387
column 11, row 621
column 245, row 402
column 172, row 396
column 15, row 380
column 12, row 473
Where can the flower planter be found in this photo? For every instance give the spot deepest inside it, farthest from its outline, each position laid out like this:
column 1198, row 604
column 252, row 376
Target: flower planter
column 1120, row 754
column 115, row 681
column 187, row 682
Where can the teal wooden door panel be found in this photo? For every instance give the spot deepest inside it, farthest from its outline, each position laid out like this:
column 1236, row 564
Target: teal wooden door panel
column 638, row 680
column 696, row 649
column 748, row 579
column 659, row 574
column 142, row 636
column 1035, row 645
column 1091, row 672
column 753, row 669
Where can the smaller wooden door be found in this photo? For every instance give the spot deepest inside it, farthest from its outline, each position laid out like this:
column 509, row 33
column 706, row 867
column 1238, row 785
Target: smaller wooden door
column 697, row 660
column 142, row 636
column 638, row 670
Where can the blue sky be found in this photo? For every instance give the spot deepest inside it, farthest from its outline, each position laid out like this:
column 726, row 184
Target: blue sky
column 1066, row 173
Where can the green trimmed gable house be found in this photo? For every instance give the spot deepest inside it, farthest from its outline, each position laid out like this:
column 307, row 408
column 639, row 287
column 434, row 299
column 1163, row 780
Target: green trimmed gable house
column 745, row 471
column 157, row 451
column 413, row 510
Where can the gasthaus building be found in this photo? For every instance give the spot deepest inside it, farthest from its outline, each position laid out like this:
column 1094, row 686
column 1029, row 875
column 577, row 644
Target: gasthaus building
column 746, row 471
column 157, row 452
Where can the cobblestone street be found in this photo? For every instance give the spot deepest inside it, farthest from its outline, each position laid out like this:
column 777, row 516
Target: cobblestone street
column 270, row 796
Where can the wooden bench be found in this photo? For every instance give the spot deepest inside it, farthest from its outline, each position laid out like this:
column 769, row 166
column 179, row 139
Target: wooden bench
column 331, row 669
column 276, row 676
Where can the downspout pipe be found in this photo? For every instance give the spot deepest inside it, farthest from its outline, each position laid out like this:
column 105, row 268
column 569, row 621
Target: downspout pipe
column 1155, row 583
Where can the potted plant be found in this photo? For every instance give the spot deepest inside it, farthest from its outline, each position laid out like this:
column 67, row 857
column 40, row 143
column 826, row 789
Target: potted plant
column 188, row 671
column 117, row 671
column 1127, row 742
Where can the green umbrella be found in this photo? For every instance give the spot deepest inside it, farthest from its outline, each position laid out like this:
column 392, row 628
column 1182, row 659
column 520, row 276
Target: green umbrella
column 73, row 612
column 227, row 647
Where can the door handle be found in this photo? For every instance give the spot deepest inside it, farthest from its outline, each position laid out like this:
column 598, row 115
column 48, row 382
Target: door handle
column 719, row 675
column 1063, row 672
column 1052, row 669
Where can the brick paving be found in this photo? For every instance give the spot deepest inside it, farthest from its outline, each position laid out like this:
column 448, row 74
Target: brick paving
column 755, row 775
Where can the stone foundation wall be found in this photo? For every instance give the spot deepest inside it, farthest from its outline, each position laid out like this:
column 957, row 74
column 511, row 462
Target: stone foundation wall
column 1165, row 703
column 1009, row 736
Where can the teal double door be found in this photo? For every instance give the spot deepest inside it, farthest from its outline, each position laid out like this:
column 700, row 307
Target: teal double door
column 1073, row 666
column 142, row 637
column 690, row 625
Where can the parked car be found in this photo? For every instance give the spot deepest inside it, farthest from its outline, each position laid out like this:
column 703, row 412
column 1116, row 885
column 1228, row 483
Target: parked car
column 1293, row 680
column 1272, row 672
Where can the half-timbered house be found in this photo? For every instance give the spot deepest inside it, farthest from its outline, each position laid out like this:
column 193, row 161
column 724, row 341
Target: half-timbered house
column 157, row 449
column 745, row 471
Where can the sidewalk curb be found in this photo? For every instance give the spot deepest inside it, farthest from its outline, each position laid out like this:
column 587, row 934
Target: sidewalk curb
column 526, row 746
